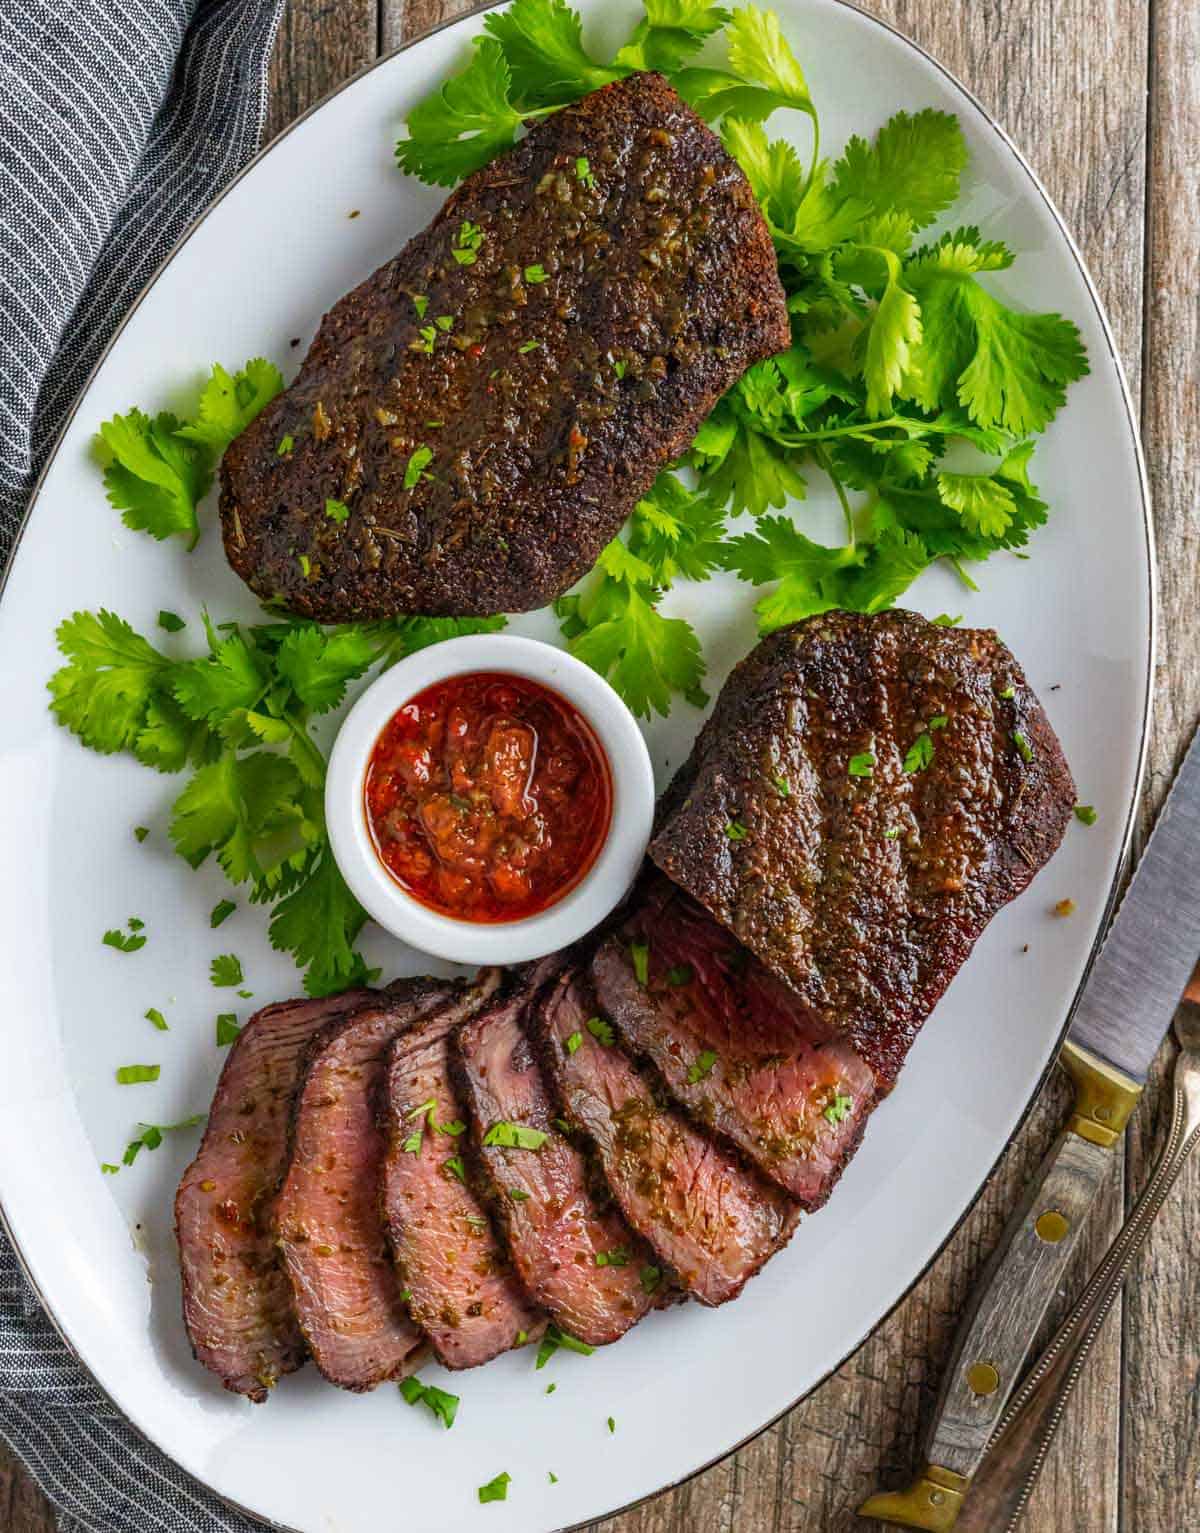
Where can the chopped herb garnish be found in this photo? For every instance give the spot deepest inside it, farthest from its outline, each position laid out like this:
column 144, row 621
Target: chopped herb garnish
column 151, row 1136
column 108, row 1168
column 920, row 753
column 515, row 1136
column 497, row 1489
column 618, row 1258
column 550, row 1472
column 228, row 1030
column 470, row 238
column 639, row 953
column 518, row 1195
column 1085, row 814
column 420, row 303
column 246, row 994
column 702, row 1067
column 443, row 1405
column 550, row 1388
column 221, row 911
column 1007, row 695
column 944, row 620
column 680, row 974
column 136, row 1075
column 406, row 1296
column 412, row 1145
column 456, row 1168
column 522, row 1338
column 890, row 835
column 528, row 346
column 478, row 1222
column 736, row 831
column 612, row 1425
column 620, row 368
column 1023, row 746
column 444, row 321
column 428, row 336
column 305, row 567
column 156, row 1016
column 563, row 1126
column 838, row 1108
column 536, row 274
column 554, row 1339
column 600, row 1030
column 939, row 721
column 135, row 923
column 862, row 765
column 417, row 464
column 286, row 444
column 226, row 969
column 782, row 787
column 574, row 1042
column 650, row 1278
column 171, row 622
column 123, row 943
column 337, row 511
column 141, row 832
column 583, row 171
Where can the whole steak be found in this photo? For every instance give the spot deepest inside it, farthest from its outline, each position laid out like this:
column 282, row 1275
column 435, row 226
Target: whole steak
column 474, row 422
column 867, row 794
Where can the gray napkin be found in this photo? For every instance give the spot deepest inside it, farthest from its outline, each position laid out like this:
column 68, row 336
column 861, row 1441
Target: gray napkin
column 119, row 121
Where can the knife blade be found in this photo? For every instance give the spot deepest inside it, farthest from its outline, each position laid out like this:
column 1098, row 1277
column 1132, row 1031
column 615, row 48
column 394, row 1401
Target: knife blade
column 1127, row 1004
column 1150, row 951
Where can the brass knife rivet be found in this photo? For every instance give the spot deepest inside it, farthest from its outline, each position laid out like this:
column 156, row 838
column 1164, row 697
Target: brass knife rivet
column 1051, row 1226
column 1103, row 1112
column 982, row 1379
column 936, row 1497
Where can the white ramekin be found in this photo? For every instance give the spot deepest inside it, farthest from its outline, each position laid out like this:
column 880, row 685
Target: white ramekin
column 582, row 907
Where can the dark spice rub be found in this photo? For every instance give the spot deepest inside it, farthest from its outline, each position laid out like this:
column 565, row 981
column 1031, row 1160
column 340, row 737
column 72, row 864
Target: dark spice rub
column 868, row 793
column 474, row 422
column 458, row 1282
column 575, row 1253
column 733, row 1045
column 707, row 1216
column 237, row 1303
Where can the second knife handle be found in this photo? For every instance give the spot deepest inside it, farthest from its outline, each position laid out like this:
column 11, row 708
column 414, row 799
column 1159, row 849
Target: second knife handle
column 1014, row 1292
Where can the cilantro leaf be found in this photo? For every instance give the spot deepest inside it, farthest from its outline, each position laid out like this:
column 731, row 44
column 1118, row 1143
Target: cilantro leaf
column 620, row 633
column 670, row 32
column 319, row 665
column 542, row 44
column 155, row 479
column 913, row 167
column 226, row 970
column 228, row 404
column 237, row 806
column 228, row 1030
column 231, row 677
column 318, row 923
column 467, row 122
column 112, row 674
column 405, row 635
column 676, row 531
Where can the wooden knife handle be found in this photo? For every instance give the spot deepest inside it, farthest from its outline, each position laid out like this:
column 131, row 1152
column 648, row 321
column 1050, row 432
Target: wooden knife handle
column 1001, row 1488
column 1017, row 1286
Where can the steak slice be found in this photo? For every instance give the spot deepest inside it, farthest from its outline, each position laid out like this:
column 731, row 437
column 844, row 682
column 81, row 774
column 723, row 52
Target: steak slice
column 462, row 1291
column 734, row 1046
column 707, row 1216
column 344, row 1286
column 574, row 1252
column 237, row 1304
column 867, row 794
column 554, row 402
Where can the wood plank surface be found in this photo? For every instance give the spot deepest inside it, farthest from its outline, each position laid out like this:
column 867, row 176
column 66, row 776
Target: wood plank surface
column 1103, row 96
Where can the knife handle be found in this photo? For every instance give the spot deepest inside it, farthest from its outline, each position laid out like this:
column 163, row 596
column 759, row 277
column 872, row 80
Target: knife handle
column 1020, row 1280
column 1002, row 1487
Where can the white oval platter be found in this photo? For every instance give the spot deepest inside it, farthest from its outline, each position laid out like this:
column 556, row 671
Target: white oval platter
column 258, row 270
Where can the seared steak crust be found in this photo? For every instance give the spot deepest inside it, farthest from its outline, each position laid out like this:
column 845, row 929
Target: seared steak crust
column 707, row 1216
column 335, row 1253
column 548, row 406
column 575, row 1253
column 733, row 1046
column 461, row 1289
column 865, row 891
column 237, row 1303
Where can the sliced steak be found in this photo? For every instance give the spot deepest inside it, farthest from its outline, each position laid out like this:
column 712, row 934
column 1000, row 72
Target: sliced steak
column 705, row 1214
column 573, row 1250
column 335, row 1253
column 482, row 430
column 237, row 1303
column 868, row 792
column 733, row 1045
column 461, row 1289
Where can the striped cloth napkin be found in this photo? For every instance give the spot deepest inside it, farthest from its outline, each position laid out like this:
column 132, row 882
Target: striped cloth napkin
column 119, row 121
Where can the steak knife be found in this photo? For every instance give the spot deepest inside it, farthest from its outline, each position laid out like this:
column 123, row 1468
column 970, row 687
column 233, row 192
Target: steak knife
column 1126, row 1006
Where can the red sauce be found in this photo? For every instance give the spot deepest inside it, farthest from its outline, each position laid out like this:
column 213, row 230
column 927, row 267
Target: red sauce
column 488, row 797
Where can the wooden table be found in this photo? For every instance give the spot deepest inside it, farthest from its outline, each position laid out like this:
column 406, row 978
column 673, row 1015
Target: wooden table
column 1104, row 98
